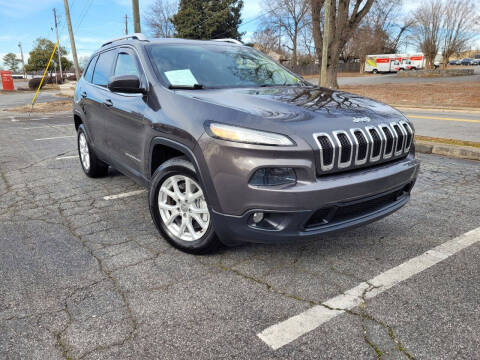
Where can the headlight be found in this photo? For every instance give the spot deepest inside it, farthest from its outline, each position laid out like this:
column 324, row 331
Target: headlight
column 250, row 136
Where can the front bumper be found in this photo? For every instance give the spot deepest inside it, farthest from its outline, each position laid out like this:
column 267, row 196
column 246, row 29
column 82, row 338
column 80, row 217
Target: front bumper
column 363, row 196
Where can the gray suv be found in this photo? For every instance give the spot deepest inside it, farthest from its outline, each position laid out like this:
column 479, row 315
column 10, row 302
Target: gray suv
column 234, row 147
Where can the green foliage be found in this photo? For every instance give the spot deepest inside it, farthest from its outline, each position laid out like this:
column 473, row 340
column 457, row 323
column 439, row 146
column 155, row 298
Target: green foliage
column 66, row 64
column 205, row 19
column 11, row 62
column 41, row 53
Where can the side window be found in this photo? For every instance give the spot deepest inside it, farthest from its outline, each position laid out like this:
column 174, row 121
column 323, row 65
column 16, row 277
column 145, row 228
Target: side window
column 89, row 71
column 126, row 65
column 103, row 69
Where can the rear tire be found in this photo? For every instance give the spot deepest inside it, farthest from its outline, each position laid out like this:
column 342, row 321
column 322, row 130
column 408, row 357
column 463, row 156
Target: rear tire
column 91, row 165
column 179, row 209
column 375, row 71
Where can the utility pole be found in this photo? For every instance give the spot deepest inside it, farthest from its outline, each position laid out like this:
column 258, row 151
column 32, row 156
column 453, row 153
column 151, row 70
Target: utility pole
column 58, row 47
column 136, row 16
column 72, row 40
column 326, row 42
column 23, row 62
column 126, row 24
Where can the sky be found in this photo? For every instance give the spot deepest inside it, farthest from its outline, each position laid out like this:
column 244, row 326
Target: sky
column 94, row 22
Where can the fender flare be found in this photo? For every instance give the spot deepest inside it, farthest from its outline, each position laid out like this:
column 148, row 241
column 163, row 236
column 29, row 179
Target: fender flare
column 203, row 175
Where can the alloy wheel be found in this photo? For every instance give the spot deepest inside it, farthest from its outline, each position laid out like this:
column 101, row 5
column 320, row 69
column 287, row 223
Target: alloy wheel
column 183, row 208
column 84, row 152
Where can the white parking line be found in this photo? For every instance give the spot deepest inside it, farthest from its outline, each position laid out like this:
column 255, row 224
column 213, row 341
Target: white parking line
column 67, row 157
column 286, row 331
column 43, row 127
column 123, row 195
column 56, row 137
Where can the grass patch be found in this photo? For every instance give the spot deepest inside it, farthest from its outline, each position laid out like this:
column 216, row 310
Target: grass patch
column 442, row 94
column 52, row 106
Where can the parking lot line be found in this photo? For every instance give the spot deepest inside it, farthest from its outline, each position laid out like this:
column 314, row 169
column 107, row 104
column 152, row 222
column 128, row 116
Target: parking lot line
column 43, row 127
column 67, row 157
column 441, row 118
column 123, row 195
column 288, row 330
column 56, row 137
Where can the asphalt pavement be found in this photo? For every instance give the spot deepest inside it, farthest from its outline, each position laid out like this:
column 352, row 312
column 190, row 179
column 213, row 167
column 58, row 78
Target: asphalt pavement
column 86, row 275
column 447, row 124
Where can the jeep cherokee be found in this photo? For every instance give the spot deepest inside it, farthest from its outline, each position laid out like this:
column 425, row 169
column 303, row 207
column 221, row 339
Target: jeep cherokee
column 234, row 147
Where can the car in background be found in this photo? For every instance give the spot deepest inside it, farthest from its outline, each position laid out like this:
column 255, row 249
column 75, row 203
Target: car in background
column 466, row 61
column 453, row 62
column 475, row 62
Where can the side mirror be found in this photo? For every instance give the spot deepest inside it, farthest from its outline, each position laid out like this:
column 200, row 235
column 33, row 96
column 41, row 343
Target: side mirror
column 125, row 84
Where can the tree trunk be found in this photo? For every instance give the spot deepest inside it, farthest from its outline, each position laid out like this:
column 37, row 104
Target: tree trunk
column 295, row 36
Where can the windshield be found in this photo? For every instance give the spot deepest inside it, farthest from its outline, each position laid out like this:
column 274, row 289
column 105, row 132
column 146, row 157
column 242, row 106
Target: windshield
column 217, row 66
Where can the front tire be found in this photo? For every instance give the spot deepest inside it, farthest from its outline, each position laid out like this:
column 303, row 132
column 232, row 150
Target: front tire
column 179, row 209
column 91, row 165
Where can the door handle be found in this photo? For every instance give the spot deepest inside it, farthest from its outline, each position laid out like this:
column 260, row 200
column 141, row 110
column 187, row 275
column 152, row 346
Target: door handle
column 84, row 94
column 108, row 103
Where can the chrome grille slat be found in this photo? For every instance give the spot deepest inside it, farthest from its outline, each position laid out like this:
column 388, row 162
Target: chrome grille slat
column 342, row 149
column 409, row 139
column 324, row 165
column 389, row 139
column 358, row 146
column 374, row 142
column 400, row 138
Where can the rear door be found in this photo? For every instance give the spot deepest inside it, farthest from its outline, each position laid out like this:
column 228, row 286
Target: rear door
column 98, row 95
column 84, row 89
column 125, row 124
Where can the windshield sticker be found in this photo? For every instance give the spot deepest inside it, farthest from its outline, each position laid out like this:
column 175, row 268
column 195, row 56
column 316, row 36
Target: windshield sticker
column 181, row 77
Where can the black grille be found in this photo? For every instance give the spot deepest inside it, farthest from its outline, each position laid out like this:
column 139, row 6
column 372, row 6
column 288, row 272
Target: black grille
column 377, row 142
column 345, row 212
column 362, row 145
column 400, row 138
column 327, row 149
column 389, row 136
column 346, row 148
column 409, row 136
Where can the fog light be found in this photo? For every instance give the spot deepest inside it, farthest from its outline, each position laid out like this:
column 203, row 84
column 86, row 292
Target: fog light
column 273, row 176
column 257, row 217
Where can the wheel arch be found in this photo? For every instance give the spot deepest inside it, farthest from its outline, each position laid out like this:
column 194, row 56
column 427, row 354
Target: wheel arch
column 167, row 149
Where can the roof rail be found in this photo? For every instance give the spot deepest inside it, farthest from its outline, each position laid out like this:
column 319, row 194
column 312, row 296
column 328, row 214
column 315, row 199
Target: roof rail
column 135, row 36
column 233, row 41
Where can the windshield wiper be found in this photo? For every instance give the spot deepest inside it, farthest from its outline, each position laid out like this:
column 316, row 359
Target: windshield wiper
column 187, row 87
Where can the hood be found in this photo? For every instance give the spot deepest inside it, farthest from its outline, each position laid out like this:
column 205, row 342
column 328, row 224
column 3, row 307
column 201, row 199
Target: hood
column 300, row 110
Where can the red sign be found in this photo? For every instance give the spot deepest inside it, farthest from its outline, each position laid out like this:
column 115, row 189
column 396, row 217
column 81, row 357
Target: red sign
column 7, row 80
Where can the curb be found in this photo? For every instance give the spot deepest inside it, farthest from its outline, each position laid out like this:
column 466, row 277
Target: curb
column 455, row 151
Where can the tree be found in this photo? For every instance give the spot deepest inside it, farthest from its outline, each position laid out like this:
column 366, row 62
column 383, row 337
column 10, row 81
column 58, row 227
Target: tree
column 204, row 19
column 428, row 25
column 160, row 17
column 344, row 20
column 380, row 32
column 66, row 64
column 82, row 62
column 41, row 53
column 291, row 16
column 267, row 39
column 460, row 20
column 11, row 62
